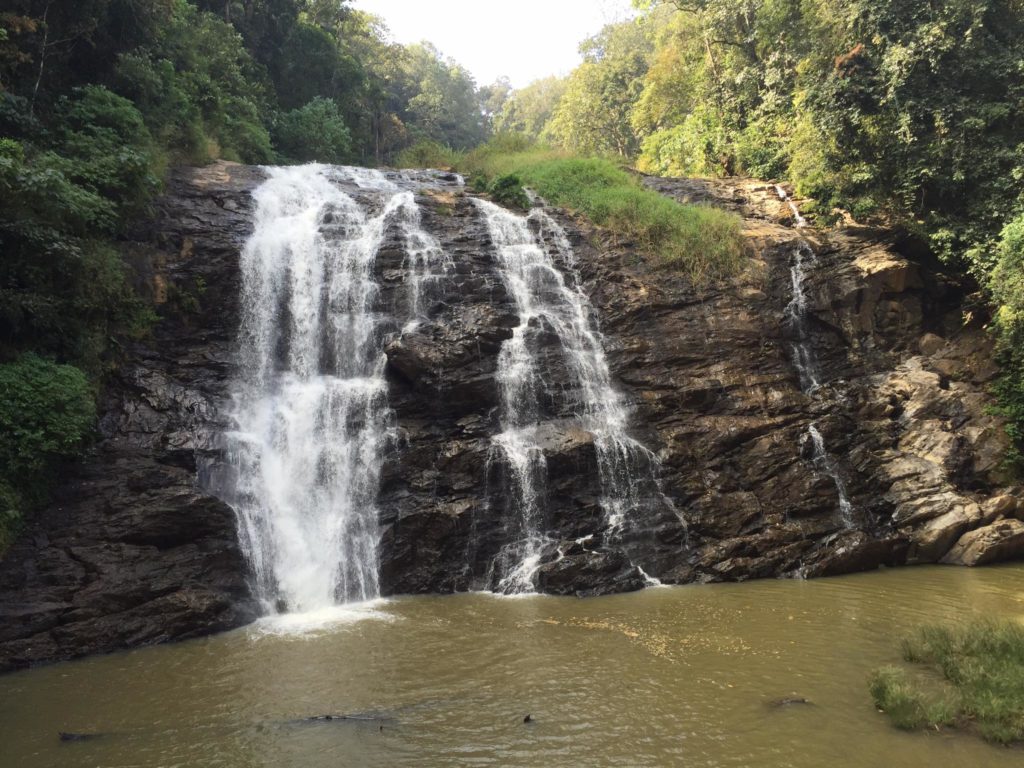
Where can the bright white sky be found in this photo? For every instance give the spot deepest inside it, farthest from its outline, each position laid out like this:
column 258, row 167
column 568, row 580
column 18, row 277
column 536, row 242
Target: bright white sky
column 521, row 39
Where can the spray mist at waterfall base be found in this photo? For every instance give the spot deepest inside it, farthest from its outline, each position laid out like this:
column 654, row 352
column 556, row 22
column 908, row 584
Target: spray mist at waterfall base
column 312, row 624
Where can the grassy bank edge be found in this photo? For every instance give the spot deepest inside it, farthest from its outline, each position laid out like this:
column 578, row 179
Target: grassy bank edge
column 968, row 676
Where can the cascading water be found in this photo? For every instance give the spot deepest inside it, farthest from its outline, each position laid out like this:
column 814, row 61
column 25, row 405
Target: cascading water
column 311, row 410
column 796, row 315
column 828, row 466
column 544, row 302
column 798, row 220
column 805, row 360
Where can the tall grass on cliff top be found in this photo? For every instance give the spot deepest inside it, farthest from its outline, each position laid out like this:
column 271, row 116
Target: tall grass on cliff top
column 703, row 242
column 982, row 685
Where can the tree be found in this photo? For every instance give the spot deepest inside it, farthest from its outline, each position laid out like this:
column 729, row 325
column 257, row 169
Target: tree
column 316, row 131
column 593, row 115
column 529, row 110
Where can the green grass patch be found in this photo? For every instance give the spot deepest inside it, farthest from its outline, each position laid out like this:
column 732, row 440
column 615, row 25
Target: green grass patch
column 979, row 685
column 703, row 242
column 429, row 154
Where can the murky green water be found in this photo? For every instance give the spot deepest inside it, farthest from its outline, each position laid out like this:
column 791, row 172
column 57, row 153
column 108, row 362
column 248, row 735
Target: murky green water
column 668, row 677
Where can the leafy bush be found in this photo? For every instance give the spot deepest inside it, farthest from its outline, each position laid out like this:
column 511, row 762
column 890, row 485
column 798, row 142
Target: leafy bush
column 107, row 147
column 697, row 147
column 61, row 287
column 983, row 666
column 703, row 242
column 508, row 190
column 314, row 132
column 46, row 410
column 428, row 154
column 46, row 413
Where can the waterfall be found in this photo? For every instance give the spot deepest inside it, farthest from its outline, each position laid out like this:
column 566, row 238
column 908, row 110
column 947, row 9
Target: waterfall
column 828, row 466
column 796, row 315
column 804, row 359
column 310, row 403
column 546, row 302
column 798, row 221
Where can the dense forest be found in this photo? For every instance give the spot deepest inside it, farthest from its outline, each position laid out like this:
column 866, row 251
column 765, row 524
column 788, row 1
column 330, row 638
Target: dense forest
column 906, row 113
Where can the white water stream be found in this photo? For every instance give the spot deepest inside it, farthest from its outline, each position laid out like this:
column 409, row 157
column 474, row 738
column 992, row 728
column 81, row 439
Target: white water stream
column 806, row 361
column 311, row 410
column 547, row 303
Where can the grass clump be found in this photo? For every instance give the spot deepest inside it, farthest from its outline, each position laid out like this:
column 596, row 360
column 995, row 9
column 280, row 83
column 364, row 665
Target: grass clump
column 429, row 154
column 702, row 242
column 982, row 669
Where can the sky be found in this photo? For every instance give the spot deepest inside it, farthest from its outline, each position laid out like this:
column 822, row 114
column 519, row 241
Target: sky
column 520, row 39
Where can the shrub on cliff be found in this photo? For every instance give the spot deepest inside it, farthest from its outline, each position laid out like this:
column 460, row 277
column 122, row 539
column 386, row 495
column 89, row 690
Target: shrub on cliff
column 982, row 665
column 47, row 411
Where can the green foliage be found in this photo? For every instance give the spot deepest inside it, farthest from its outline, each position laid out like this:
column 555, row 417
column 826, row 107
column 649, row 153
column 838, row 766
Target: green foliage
column 1007, row 287
column 428, row 154
column 46, row 410
column 200, row 91
column 444, row 107
column 46, row 413
column 313, row 64
column 593, row 114
column 108, row 149
column 529, row 110
column 316, row 131
column 61, row 286
column 508, row 190
column 983, row 666
column 702, row 242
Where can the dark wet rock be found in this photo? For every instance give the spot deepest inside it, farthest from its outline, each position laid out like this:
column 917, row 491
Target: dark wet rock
column 588, row 574
column 366, row 717
column 791, row 701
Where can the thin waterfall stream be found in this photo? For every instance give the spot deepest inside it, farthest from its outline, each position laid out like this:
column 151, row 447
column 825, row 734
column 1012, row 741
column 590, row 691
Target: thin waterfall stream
column 806, row 361
column 546, row 302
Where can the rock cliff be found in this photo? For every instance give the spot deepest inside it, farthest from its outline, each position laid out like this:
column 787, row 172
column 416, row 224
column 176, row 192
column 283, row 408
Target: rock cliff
column 137, row 548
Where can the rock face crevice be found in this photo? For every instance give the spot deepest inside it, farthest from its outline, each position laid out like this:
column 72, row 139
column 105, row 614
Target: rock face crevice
column 137, row 547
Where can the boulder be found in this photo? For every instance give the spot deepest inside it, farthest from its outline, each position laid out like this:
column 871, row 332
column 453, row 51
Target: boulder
column 1002, row 540
column 930, row 343
column 995, row 507
column 934, row 538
